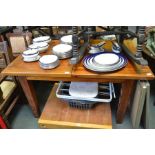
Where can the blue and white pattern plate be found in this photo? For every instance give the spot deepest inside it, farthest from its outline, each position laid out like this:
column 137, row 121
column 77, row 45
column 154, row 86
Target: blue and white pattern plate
column 111, row 62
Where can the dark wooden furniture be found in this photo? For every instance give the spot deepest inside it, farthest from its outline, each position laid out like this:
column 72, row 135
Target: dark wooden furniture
column 5, row 54
column 66, row 72
column 10, row 92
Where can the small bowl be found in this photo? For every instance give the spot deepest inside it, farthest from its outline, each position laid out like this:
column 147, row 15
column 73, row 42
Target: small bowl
column 42, row 39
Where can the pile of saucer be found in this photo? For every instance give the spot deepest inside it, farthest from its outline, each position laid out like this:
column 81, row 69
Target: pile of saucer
column 30, row 55
column 41, row 46
column 49, row 61
column 45, row 39
column 63, row 51
column 66, row 39
column 105, row 62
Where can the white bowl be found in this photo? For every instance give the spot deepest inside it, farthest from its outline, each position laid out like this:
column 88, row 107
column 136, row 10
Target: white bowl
column 30, row 52
column 31, row 59
column 67, row 39
column 41, row 47
column 42, row 39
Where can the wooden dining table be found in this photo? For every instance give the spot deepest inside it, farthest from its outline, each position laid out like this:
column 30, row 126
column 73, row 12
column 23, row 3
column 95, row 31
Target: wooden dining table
column 27, row 72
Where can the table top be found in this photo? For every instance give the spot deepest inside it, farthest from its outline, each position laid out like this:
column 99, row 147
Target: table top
column 20, row 68
column 130, row 71
column 57, row 114
column 65, row 70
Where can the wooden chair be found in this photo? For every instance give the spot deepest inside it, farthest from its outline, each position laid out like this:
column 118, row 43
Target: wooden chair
column 19, row 41
column 5, row 55
column 10, row 91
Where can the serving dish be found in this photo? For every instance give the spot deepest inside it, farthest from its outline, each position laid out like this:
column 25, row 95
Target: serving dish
column 40, row 46
column 46, row 39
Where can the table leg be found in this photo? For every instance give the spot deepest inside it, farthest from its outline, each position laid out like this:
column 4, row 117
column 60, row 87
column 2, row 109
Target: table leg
column 125, row 95
column 30, row 95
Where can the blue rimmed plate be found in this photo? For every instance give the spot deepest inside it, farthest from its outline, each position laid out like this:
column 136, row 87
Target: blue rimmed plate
column 119, row 63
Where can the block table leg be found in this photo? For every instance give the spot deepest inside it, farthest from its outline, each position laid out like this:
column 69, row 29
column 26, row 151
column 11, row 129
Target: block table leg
column 30, row 95
column 125, row 95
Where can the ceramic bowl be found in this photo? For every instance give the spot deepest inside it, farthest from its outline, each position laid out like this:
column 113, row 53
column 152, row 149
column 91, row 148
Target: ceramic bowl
column 66, row 39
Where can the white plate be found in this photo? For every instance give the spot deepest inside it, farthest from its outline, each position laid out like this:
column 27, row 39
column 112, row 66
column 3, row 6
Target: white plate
column 51, row 66
column 66, row 39
column 91, row 62
column 83, row 89
column 48, row 59
column 41, row 39
column 114, row 68
column 62, row 48
column 106, row 59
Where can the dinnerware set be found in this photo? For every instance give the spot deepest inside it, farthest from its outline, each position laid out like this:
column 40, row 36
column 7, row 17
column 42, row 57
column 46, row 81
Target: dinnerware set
column 99, row 61
column 105, row 62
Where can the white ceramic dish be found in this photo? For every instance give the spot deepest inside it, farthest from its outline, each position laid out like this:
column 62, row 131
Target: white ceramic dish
column 91, row 64
column 88, row 62
column 67, row 39
column 62, row 48
column 48, row 59
column 63, row 51
column 31, row 59
column 106, row 59
column 42, row 39
column 110, row 69
column 30, row 52
column 83, row 89
column 51, row 66
column 41, row 47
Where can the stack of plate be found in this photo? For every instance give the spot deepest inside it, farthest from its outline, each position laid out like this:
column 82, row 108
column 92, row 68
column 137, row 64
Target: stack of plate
column 46, row 39
column 30, row 55
column 105, row 62
column 49, row 61
column 41, row 46
column 63, row 51
column 66, row 39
